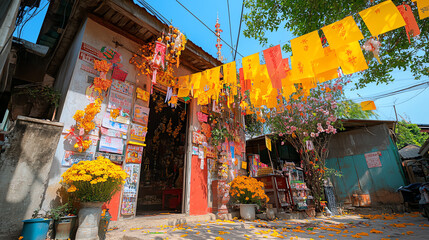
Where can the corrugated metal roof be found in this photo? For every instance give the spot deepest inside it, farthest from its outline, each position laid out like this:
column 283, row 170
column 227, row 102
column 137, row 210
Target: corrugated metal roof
column 410, row 151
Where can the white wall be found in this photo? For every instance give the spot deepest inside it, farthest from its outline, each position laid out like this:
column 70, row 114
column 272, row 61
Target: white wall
column 97, row 36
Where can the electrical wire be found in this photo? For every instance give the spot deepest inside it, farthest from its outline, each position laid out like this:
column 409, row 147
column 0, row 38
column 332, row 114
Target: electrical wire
column 18, row 23
column 230, row 29
column 154, row 12
column 206, row 26
column 239, row 30
column 396, row 92
column 407, row 99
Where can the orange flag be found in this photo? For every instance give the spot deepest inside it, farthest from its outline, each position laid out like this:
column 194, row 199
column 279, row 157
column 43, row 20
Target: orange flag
column 307, row 47
column 382, row 18
column 245, row 84
column 276, row 65
column 351, row 58
column 368, row 105
column 411, row 26
column 342, row 32
column 423, row 6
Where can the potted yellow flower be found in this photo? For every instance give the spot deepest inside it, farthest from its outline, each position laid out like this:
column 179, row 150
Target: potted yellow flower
column 248, row 192
column 92, row 183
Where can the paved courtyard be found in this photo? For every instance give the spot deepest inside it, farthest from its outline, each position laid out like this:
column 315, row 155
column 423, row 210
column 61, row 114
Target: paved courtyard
column 351, row 226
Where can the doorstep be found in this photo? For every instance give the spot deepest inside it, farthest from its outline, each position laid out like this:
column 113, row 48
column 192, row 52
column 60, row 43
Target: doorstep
column 158, row 220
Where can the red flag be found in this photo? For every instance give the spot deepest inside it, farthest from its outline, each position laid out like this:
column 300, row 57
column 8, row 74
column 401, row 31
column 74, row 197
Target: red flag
column 276, row 65
column 245, row 84
column 411, row 26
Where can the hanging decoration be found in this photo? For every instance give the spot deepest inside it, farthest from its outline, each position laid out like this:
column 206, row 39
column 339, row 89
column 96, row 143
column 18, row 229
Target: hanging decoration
column 368, row 105
column 373, row 45
column 423, row 7
column 342, row 32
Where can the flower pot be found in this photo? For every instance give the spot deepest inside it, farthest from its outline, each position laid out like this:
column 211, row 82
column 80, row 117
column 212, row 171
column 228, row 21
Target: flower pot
column 247, row 211
column 35, row 229
column 89, row 217
column 64, row 227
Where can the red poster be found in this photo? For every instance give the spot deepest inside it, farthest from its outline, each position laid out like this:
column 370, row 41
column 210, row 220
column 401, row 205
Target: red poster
column 119, row 74
column 276, row 65
column 411, row 26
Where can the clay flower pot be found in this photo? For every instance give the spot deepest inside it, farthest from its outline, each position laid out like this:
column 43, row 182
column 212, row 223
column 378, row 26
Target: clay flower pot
column 89, row 217
column 247, row 211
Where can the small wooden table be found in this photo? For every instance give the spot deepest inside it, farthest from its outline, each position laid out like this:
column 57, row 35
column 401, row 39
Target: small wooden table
column 175, row 192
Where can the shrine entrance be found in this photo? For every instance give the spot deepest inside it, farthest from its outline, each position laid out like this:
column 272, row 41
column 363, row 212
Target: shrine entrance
column 162, row 172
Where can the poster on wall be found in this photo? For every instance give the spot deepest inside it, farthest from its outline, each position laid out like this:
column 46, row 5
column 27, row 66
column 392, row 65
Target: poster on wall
column 134, row 154
column 198, row 138
column 119, row 74
column 112, row 133
column 141, row 114
column 138, row 133
column 130, row 189
column 120, row 101
column 126, row 88
column 71, row 158
column 111, row 144
column 108, row 122
column 373, row 159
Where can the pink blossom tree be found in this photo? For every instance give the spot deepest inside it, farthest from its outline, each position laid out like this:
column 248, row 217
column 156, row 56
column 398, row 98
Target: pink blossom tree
column 308, row 122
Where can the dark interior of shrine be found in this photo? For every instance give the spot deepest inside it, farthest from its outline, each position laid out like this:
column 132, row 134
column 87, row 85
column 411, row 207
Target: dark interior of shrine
column 161, row 178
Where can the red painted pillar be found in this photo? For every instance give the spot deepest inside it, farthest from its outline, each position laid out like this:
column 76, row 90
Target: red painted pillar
column 198, row 191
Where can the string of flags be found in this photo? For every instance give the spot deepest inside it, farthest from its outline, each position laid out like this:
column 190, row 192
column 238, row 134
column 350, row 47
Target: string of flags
column 311, row 63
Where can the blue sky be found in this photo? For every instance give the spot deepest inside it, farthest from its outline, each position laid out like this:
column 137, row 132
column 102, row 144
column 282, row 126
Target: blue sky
column 409, row 105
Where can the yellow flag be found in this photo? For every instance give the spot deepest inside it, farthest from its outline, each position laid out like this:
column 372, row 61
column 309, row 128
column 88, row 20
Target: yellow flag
column 423, row 6
column 351, row 58
column 326, row 76
column 342, row 32
column 325, row 68
column 382, row 18
column 250, row 66
column 196, row 80
column 268, row 142
column 308, row 46
column 301, row 69
column 230, row 74
column 183, row 92
column 183, row 82
column 368, row 105
column 309, row 83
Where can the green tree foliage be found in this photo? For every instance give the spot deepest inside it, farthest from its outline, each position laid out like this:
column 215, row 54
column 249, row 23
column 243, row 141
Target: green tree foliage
column 348, row 109
column 301, row 17
column 408, row 133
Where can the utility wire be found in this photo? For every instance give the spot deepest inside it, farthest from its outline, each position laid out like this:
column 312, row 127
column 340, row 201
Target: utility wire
column 154, row 12
column 230, row 29
column 206, row 26
column 392, row 93
column 239, row 30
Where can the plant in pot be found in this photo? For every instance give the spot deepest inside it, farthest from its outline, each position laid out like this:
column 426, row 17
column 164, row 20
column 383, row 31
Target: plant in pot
column 248, row 193
column 92, row 183
column 37, row 227
column 34, row 101
column 65, row 218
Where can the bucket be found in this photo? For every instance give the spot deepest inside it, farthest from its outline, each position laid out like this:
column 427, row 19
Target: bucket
column 35, row 229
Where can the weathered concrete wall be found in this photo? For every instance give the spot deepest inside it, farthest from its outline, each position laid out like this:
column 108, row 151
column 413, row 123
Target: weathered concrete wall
column 347, row 155
column 24, row 169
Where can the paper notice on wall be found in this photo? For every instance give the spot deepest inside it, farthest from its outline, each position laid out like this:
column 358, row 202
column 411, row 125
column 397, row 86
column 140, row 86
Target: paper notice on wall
column 373, row 159
column 134, row 154
column 138, row 133
column 108, row 122
column 71, row 158
column 126, row 88
column 201, row 152
column 120, row 101
column 141, row 114
column 111, row 144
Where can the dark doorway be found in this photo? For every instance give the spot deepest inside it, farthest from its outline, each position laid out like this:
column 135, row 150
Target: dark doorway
column 161, row 178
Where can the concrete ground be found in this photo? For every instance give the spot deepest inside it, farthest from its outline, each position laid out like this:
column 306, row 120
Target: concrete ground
column 351, row 226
